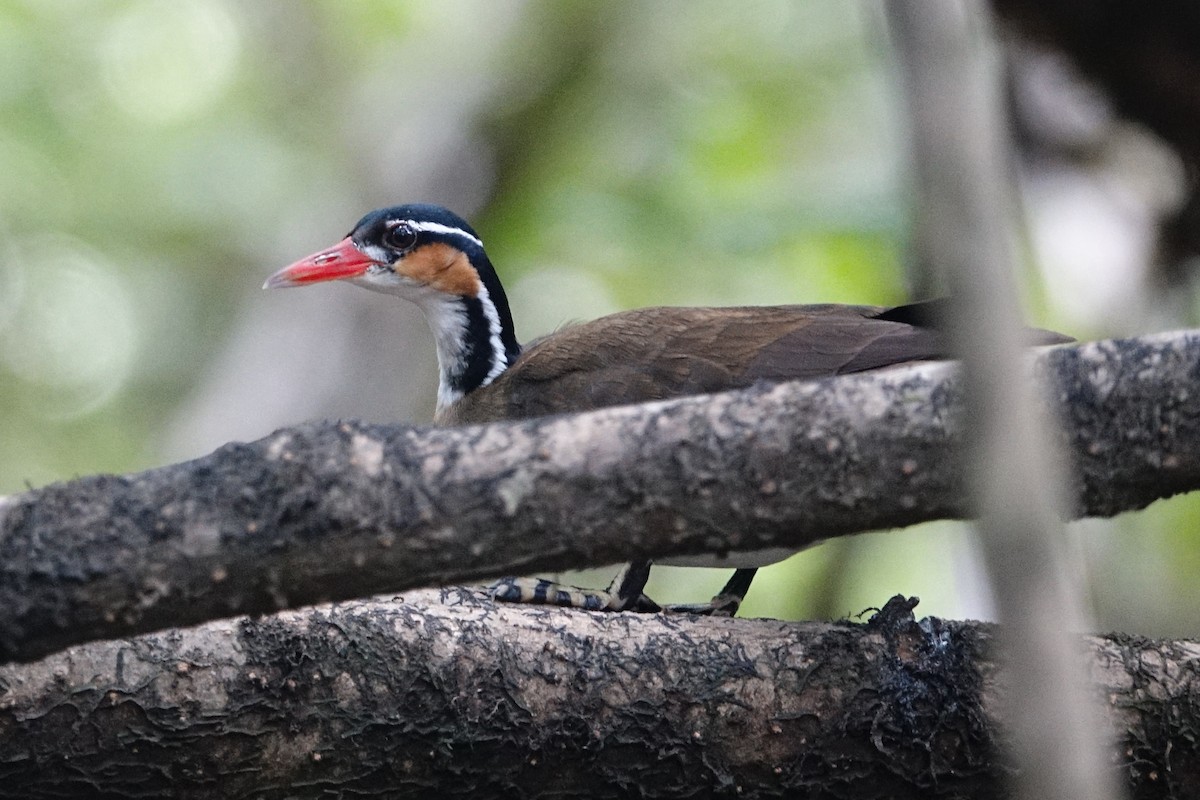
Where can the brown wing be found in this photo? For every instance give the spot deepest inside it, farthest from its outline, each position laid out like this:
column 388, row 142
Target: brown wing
column 660, row 353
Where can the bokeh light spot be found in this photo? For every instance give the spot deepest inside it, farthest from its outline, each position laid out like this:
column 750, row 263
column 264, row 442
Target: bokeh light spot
column 166, row 62
column 74, row 334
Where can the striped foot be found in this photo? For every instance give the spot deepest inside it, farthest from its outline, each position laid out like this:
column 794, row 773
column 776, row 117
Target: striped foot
column 538, row 591
column 624, row 593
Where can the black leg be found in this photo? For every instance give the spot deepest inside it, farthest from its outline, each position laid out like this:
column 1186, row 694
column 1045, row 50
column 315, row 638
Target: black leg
column 628, row 585
column 728, row 600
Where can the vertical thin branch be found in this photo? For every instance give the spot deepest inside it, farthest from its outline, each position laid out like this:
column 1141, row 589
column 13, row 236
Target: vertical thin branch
column 964, row 232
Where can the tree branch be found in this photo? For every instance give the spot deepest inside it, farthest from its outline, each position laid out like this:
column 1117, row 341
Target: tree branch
column 336, row 510
column 486, row 700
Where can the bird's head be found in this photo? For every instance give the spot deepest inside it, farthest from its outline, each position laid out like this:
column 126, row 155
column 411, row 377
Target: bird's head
column 415, row 251
column 430, row 256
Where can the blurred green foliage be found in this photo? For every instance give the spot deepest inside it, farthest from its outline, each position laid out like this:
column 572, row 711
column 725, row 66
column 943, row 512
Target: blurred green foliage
column 158, row 159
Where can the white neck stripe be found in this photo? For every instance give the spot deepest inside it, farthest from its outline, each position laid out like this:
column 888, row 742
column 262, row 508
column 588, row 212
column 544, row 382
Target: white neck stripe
column 499, row 357
column 437, row 227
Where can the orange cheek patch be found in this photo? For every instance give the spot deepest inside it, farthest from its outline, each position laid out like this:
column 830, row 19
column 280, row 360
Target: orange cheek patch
column 442, row 267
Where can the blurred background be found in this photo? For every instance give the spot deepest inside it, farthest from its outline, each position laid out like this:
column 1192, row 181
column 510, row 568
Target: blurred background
column 159, row 160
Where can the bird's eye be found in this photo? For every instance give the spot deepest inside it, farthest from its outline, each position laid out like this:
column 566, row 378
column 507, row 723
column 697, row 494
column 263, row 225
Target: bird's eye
column 400, row 236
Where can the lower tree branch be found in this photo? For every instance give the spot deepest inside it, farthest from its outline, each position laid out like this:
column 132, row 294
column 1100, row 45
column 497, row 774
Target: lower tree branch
column 484, row 700
column 338, row 510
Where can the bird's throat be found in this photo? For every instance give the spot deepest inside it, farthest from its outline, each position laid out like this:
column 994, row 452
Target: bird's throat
column 475, row 343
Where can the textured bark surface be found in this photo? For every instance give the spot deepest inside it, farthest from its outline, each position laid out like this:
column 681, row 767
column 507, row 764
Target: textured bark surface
column 340, row 510
column 467, row 698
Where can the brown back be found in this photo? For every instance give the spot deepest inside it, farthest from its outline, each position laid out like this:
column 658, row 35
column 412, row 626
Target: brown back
column 660, row 353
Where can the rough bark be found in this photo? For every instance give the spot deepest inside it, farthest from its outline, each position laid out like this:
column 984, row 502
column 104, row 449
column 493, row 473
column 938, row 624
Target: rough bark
column 339, row 510
column 401, row 698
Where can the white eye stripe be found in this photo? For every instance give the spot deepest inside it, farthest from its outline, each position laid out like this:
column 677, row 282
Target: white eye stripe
column 437, row 227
